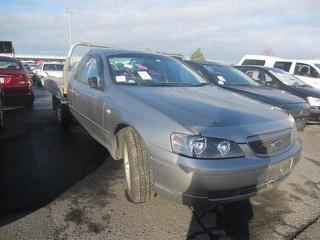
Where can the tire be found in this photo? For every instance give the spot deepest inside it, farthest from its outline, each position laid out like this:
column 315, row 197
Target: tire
column 42, row 82
column 63, row 115
column 139, row 180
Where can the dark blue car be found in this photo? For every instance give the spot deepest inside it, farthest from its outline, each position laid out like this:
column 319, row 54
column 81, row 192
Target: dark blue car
column 279, row 79
column 234, row 80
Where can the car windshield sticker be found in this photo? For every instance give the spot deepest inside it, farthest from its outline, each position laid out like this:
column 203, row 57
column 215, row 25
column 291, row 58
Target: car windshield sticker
column 221, row 79
column 128, row 66
column 144, row 75
column 1, row 80
column 121, row 78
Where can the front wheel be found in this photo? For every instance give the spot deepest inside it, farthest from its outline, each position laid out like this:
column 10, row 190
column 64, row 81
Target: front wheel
column 42, row 82
column 139, row 180
column 63, row 115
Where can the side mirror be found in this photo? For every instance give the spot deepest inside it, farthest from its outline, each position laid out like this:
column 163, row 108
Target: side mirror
column 93, row 82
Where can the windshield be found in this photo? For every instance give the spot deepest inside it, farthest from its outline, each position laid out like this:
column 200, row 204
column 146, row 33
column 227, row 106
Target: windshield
column 285, row 77
column 53, row 67
column 147, row 69
column 230, row 76
column 8, row 64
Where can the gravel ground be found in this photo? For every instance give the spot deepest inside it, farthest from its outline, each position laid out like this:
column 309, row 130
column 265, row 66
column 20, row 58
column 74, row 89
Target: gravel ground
column 64, row 185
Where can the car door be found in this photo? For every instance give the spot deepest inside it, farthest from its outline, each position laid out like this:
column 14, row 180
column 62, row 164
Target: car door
column 89, row 98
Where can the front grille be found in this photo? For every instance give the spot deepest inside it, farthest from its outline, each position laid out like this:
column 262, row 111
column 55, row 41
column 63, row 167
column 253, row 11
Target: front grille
column 270, row 146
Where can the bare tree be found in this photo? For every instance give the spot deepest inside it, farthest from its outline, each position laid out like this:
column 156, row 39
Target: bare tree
column 268, row 52
column 198, row 55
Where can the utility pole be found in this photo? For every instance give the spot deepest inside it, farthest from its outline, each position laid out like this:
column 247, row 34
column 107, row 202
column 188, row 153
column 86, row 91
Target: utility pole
column 69, row 12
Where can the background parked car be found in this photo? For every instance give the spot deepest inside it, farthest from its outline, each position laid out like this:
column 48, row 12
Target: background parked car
column 31, row 73
column 15, row 83
column 233, row 79
column 48, row 69
column 277, row 78
column 307, row 71
column 34, row 67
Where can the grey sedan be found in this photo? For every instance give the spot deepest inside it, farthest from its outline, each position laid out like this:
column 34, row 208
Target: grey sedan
column 178, row 135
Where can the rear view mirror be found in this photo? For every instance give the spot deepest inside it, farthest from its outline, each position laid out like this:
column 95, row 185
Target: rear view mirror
column 93, row 82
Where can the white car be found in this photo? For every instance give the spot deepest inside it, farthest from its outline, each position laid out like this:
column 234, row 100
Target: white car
column 308, row 71
column 49, row 69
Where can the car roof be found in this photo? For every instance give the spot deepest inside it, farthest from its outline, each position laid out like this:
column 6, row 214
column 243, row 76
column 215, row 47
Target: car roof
column 205, row 63
column 114, row 51
column 260, row 57
column 254, row 66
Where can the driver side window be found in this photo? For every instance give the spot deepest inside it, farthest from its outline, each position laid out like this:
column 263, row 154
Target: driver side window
column 91, row 74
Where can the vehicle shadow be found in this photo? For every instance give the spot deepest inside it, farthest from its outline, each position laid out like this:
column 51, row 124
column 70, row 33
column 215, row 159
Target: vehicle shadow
column 39, row 161
column 220, row 221
column 225, row 221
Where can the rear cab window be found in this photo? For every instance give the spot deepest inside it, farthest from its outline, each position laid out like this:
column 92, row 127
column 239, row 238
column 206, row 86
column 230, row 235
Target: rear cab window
column 53, row 67
column 254, row 62
column 9, row 64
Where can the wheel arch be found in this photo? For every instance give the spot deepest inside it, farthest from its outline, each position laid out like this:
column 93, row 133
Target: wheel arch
column 116, row 141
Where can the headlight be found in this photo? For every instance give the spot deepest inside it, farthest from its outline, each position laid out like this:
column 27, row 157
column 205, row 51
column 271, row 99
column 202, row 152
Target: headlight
column 314, row 102
column 204, row 147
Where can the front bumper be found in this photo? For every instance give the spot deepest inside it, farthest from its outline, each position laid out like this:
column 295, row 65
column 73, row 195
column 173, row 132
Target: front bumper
column 193, row 181
column 300, row 113
column 314, row 115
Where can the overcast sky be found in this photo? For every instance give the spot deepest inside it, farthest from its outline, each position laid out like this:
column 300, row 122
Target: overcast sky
column 224, row 30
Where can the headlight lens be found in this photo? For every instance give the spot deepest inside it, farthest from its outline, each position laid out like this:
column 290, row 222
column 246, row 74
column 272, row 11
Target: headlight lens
column 314, row 102
column 204, row 147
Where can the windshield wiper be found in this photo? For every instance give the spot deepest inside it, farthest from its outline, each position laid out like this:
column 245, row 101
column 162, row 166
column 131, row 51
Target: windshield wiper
column 174, row 84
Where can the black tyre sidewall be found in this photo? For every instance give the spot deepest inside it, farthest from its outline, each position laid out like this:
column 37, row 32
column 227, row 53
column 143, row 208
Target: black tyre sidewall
column 65, row 115
column 140, row 174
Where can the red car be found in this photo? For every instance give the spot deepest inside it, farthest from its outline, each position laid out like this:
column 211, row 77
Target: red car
column 15, row 83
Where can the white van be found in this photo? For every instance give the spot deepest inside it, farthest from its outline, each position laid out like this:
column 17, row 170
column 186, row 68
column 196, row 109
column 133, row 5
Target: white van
column 307, row 71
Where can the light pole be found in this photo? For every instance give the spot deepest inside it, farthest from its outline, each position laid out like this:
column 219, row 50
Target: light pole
column 69, row 12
